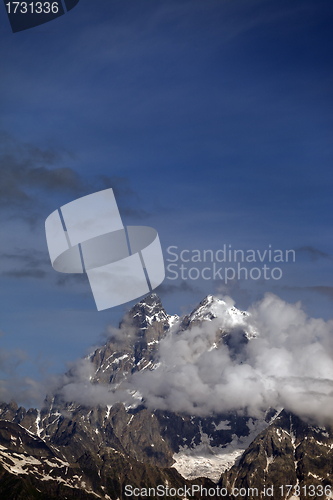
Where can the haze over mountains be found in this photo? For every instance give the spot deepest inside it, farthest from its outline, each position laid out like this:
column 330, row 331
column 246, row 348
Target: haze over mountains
column 214, row 395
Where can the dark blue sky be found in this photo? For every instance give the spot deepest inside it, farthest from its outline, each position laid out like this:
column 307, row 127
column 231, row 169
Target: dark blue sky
column 211, row 119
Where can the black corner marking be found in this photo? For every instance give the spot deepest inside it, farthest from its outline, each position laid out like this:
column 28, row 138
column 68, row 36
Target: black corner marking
column 28, row 14
column 70, row 4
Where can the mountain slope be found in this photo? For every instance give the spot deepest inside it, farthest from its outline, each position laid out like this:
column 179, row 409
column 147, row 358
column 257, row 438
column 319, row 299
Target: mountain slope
column 31, row 469
column 288, row 452
column 106, row 446
column 154, row 437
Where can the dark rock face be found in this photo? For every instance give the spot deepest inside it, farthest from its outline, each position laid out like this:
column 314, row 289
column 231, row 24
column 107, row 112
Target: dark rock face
column 141, row 330
column 31, row 469
column 31, row 461
column 67, row 450
column 16, row 439
column 288, row 452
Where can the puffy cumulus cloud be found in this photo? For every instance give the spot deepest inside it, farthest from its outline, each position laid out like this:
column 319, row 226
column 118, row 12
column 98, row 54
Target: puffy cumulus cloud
column 76, row 386
column 126, row 334
column 289, row 364
column 26, row 391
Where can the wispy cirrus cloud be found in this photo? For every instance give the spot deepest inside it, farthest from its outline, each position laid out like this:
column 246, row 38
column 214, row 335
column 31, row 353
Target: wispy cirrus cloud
column 24, row 263
column 31, row 175
column 325, row 290
column 313, row 253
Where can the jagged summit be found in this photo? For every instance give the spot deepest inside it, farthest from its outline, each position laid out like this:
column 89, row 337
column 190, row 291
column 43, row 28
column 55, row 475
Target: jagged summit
column 135, row 344
column 150, row 299
column 228, row 316
column 149, row 311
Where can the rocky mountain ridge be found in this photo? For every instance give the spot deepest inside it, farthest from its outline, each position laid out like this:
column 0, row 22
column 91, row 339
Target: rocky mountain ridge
column 141, row 330
column 289, row 452
column 112, row 444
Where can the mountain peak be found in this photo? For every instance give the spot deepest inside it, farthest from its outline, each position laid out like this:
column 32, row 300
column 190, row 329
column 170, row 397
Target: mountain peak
column 151, row 299
column 229, row 317
column 207, row 309
column 150, row 318
column 148, row 309
column 211, row 299
column 147, row 322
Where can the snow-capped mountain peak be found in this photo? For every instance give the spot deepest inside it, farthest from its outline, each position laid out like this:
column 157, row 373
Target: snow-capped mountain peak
column 227, row 316
column 150, row 310
column 81, row 444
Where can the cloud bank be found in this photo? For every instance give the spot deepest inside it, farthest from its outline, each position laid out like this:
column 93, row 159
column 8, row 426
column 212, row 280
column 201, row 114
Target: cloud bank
column 289, row 364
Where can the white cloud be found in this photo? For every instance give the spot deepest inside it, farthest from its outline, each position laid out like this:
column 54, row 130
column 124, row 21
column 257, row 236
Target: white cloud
column 289, row 364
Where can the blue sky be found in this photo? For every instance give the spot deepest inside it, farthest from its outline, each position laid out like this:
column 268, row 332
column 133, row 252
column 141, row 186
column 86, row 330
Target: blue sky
column 212, row 121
